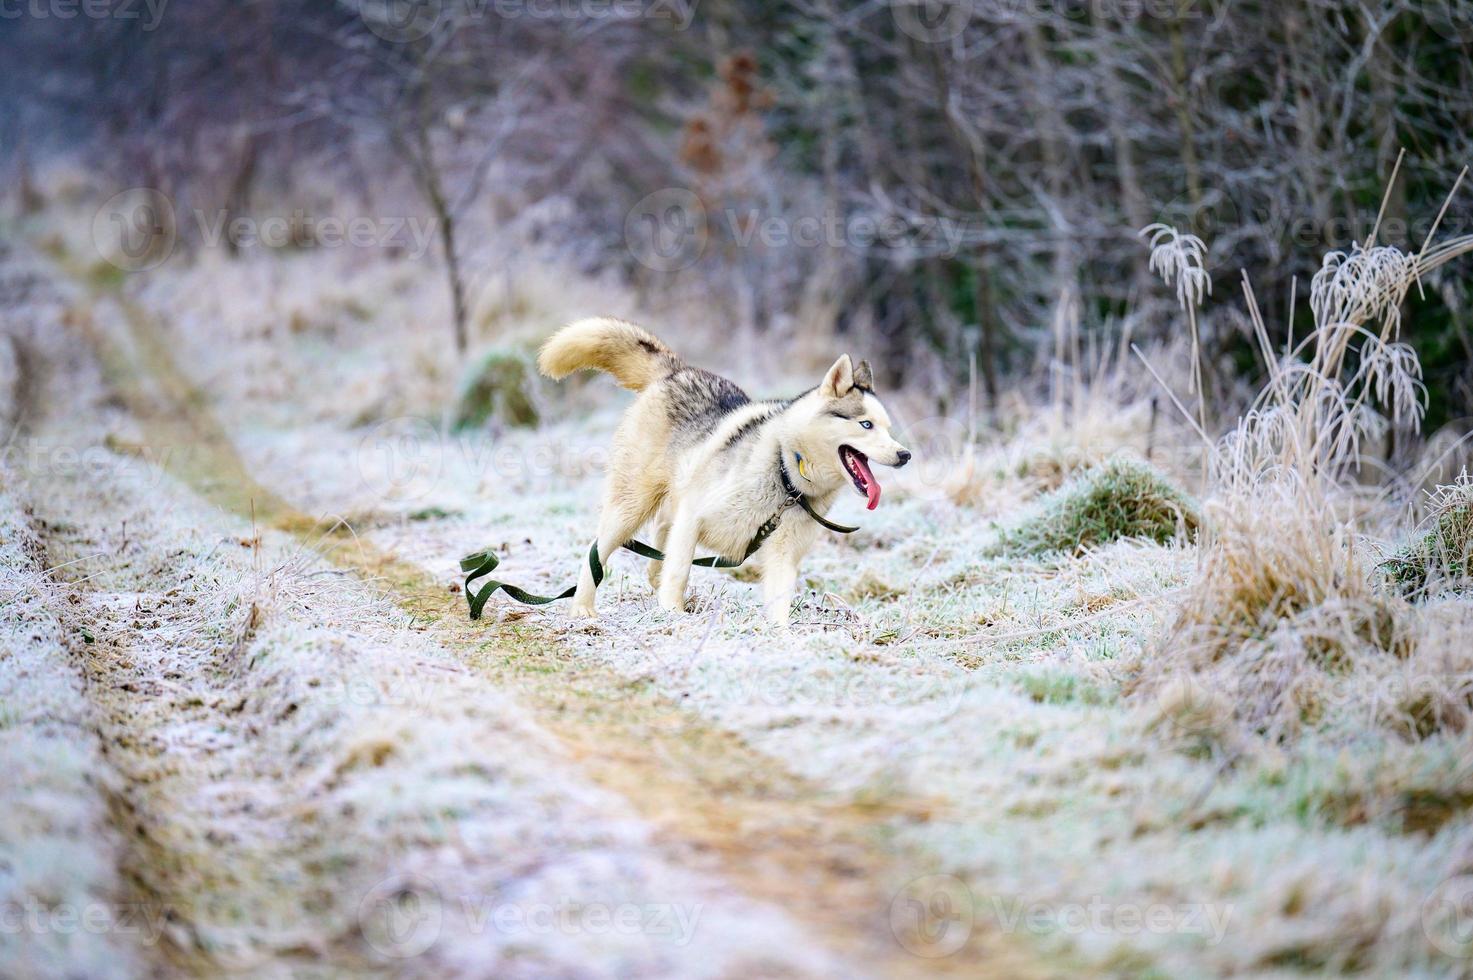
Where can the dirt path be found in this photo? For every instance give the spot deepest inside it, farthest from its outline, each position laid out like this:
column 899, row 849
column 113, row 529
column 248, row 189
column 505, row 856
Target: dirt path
column 720, row 807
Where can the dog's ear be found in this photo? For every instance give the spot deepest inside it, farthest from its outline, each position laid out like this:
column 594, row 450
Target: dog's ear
column 840, row 379
column 864, row 377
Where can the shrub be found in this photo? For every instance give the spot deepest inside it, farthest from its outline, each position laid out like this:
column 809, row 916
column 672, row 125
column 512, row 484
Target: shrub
column 1442, row 556
column 1118, row 499
column 1285, row 615
column 501, row 386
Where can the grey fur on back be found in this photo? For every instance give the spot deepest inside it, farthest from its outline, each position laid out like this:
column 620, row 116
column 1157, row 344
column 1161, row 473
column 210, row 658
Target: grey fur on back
column 696, row 401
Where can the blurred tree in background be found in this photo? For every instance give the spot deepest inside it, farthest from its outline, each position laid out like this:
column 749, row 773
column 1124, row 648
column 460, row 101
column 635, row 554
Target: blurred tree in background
column 941, row 179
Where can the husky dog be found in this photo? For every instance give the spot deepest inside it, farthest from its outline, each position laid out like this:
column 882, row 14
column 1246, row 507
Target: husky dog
column 708, row 467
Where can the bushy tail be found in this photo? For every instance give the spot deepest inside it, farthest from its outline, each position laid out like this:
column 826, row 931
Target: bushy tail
column 631, row 354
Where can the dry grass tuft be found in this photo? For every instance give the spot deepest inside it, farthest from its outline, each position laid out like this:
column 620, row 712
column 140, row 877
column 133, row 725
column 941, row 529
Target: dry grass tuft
column 1284, row 604
column 1274, row 566
column 1433, row 691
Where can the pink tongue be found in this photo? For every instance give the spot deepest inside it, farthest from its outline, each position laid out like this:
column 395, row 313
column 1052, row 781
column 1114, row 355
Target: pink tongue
column 871, row 485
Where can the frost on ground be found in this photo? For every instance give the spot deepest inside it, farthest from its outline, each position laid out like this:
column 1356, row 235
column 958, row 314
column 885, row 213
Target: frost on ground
column 58, row 848
column 358, row 777
column 300, row 778
column 1010, row 687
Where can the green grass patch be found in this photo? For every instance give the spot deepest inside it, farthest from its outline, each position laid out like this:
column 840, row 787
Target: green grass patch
column 1440, row 557
column 502, row 385
column 432, row 513
column 1057, row 687
column 1117, row 499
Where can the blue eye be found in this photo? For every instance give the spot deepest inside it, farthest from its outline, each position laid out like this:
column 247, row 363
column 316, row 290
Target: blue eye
column 866, row 424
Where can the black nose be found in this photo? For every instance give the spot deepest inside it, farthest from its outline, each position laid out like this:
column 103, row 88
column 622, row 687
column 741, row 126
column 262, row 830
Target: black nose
column 902, row 457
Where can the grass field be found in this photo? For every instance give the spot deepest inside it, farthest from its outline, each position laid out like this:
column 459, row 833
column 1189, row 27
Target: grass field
column 1060, row 707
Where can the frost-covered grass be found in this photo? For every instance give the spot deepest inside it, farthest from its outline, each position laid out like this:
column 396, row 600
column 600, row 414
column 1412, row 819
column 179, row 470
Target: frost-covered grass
column 1441, row 556
column 355, row 773
column 992, row 685
column 928, row 660
column 1233, row 754
column 272, row 768
column 58, row 848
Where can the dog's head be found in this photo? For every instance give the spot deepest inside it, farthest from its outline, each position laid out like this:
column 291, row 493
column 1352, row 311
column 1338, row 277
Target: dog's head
column 843, row 429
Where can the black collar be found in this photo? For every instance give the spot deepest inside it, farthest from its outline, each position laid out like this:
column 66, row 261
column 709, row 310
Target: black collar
column 792, row 495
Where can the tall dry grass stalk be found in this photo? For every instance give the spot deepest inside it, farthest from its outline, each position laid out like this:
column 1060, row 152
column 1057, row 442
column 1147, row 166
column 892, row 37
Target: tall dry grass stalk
column 1182, row 259
column 1287, row 597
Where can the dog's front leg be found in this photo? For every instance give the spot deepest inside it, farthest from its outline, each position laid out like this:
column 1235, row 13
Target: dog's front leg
column 779, row 579
column 680, row 551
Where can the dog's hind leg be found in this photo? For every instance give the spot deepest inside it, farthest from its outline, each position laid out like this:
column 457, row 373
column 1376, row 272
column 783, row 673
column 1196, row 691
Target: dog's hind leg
column 661, row 532
column 616, row 525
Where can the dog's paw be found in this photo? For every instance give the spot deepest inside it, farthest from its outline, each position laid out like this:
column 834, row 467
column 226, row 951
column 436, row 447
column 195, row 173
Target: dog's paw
column 776, row 623
column 671, row 605
column 582, row 612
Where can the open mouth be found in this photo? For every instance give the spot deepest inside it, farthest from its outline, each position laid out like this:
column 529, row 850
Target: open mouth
column 856, row 464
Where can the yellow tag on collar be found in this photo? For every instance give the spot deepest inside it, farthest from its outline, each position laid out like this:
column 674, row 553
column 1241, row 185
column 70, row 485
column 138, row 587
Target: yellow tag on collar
column 802, row 467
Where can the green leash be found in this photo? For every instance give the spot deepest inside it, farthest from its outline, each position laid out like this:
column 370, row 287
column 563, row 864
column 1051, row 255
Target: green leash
column 483, row 563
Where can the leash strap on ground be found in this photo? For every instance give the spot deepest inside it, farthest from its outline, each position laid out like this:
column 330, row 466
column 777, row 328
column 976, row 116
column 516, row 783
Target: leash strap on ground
column 483, row 563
